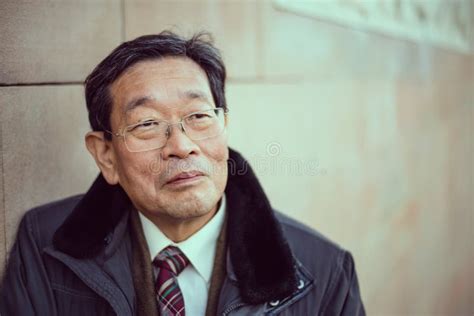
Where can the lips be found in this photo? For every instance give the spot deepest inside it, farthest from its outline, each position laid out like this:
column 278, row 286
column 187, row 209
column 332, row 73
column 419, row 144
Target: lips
column 184, row 176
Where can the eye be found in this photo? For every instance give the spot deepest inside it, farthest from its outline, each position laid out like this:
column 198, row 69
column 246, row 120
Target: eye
column 200, row 116
column 145, row 125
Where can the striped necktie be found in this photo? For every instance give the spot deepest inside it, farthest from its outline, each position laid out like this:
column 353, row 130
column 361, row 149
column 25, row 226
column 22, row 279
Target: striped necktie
column 170, row 261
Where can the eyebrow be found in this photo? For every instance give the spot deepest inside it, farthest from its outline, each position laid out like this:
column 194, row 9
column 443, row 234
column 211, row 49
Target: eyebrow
column 194, row 95
column 137, row 102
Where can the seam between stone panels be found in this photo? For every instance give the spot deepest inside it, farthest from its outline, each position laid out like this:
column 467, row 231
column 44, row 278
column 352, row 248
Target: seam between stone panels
column 4, row 215
column 260, row 53
column 123, row 20
column 33, row 84
column 292, row 80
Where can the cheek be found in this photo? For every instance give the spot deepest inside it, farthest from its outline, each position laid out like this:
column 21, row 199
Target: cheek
column 217, row 150
column 217, row 153
column 135, row 169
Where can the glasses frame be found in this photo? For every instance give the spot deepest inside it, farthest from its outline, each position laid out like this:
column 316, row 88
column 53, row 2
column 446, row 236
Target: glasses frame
column 122, row 132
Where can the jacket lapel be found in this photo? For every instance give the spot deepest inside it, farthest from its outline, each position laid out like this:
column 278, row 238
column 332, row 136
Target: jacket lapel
column 261, row 257
column 89, row 228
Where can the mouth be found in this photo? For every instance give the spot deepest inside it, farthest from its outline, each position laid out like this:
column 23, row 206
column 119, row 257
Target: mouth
column 185, row 178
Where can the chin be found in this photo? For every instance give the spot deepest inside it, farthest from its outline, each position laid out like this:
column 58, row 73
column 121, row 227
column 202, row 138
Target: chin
column 188, row 206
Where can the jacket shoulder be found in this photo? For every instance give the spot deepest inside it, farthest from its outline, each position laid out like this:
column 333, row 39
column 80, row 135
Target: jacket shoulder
column 322, row 257
column 330, row 267
column 302, row 237
column 43, row 221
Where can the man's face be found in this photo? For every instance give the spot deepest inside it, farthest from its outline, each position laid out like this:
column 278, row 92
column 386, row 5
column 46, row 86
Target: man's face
column 168, row 89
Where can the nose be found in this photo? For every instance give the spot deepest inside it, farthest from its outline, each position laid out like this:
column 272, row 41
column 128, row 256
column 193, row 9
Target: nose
column 179, row 145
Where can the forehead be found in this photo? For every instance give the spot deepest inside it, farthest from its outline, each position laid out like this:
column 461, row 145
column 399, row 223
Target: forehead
column 164, row 81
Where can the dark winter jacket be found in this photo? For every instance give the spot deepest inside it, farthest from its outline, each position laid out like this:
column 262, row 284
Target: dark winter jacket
column 73, row 257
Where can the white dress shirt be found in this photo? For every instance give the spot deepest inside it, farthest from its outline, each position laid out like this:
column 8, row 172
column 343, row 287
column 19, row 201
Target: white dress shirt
column 200, row 249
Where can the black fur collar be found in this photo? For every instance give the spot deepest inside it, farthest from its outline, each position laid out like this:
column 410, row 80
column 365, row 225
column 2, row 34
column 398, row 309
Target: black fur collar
column 261, row 258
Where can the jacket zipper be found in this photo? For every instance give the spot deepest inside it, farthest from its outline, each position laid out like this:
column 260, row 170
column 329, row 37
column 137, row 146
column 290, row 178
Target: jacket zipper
column 231, row 308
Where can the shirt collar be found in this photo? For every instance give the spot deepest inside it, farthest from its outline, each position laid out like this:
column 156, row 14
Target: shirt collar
column 200, row 248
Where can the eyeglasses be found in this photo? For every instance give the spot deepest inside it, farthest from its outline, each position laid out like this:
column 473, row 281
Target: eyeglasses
column 153, row 134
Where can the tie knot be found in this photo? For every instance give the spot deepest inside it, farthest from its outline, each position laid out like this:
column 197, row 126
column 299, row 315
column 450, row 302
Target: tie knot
column 171, row 259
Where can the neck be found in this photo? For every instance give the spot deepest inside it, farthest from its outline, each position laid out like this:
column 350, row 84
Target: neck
column 178, row 230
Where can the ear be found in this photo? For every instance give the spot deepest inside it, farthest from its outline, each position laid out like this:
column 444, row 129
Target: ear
column 104, row 155
column 226, row 120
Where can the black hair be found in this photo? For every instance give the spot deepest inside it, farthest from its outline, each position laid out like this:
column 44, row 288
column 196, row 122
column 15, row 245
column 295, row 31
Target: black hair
column 199, row 48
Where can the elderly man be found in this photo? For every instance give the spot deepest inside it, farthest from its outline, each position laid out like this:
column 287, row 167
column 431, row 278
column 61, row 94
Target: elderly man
column 176, row 223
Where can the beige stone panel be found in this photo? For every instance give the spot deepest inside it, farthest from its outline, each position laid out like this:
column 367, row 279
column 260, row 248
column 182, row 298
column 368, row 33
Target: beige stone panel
column 233, row 24
column 44, row 155
column 56, row 41
column 386, row 176
column 442, row 117
column 296, row 46
column 440, row 23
